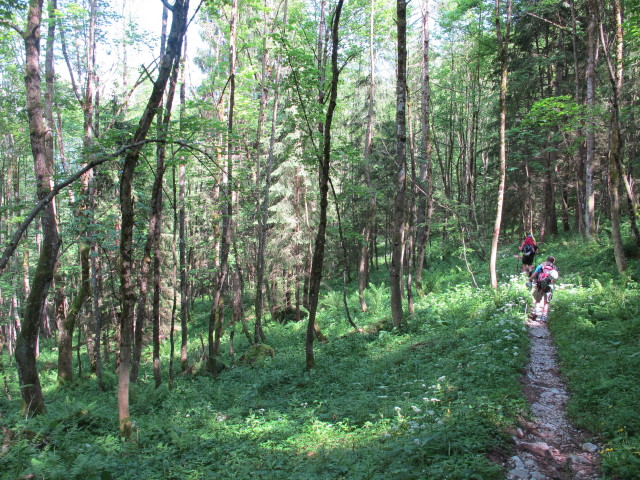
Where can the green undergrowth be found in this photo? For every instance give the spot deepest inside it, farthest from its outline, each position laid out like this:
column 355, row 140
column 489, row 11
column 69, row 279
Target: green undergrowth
column 595, row 322
column 435, row 399
column 597, row 331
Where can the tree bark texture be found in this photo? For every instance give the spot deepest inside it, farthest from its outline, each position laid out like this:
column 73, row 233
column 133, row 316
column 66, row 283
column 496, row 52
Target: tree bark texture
column 31, row 391
column 399, row 208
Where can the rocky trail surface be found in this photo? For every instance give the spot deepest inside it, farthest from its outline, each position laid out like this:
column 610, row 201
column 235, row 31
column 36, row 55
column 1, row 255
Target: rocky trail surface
column 548, row 446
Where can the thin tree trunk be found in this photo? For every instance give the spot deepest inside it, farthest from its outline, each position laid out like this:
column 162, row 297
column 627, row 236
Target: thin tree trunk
column 503, row 43
column 147, row 269
column 425, row 179
column 216, row 320
column 157, row 206
column 65, row 344
column 60, row 298
column 410, row 228
column 127, row 290
column 616, row 170
column 184, row 299
column 263, row 206
column 580, row 170
column 318, row 251
column 589, row 164
column 95, row 292
column 258, row 335
column 174, row 273
column 363, row 271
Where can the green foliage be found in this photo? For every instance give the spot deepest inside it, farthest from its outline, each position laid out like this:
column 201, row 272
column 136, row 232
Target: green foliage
column 598, row 330
column 8, row 8
column 430, row 401
column 416, row 403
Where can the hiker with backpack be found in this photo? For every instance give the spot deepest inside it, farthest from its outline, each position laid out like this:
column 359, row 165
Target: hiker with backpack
column 528, row 248
column 544, row 277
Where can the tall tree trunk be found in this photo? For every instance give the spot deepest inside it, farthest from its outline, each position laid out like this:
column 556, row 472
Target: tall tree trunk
column 503, row 44
column 410, row 228
column 616, row 169
column 127, row 288
column 69, row 323
column 31, row 391
column 589, row 164
column 156, row 211
column 318, row 251
column 401, row 168
column 184, row 298
column 258, row 335
column 425, row 179
column 146, row 270
column 363, row 271
column 95, row 291
column 60, row 298
column 262, row 204
column 216, row 318
column 581, row 153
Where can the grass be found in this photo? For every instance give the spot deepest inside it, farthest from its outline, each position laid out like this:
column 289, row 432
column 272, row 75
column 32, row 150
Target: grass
column 435, row 400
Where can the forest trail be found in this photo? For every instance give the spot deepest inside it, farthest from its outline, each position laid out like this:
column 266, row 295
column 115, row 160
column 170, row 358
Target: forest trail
column 549, row 447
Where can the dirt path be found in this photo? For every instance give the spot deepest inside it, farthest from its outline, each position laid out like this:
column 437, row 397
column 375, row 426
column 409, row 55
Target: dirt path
column 548, row 447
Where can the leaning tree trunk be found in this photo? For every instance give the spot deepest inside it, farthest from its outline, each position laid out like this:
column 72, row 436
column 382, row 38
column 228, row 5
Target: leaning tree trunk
column 31, row 391
column 401, row 168
column 503, row 43
column 318, row 251
column 127, row 288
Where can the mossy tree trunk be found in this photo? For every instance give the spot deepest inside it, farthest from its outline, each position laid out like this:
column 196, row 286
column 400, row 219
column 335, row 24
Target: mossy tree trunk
column 30, row 389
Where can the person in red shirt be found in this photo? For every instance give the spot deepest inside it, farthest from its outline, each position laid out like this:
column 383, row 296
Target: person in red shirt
column 528, row 248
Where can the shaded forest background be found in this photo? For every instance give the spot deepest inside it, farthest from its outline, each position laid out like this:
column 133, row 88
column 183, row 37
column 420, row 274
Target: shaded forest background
column 321, row 143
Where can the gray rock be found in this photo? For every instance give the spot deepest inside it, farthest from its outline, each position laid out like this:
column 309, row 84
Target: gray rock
column 589, row 447
column 519, row 473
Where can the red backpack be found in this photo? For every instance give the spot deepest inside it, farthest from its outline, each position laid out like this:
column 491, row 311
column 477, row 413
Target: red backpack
column 545, row 277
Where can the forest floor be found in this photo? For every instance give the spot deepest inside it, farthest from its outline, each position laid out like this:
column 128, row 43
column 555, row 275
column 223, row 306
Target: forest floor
column 548, row 446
